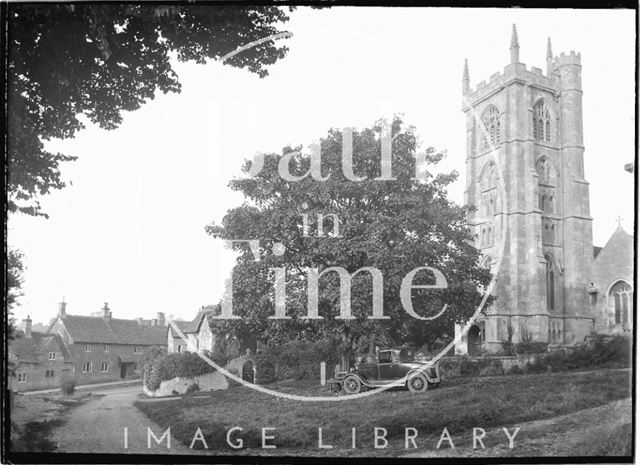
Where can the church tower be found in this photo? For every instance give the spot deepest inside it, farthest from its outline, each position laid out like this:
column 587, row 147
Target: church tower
column 525, row 176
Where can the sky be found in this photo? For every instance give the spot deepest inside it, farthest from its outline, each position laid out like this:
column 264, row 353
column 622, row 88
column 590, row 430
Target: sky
column 129, row 228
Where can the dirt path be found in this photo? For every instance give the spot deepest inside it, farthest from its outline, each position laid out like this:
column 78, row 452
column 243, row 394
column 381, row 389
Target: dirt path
column 99, row 427
column 557, row 436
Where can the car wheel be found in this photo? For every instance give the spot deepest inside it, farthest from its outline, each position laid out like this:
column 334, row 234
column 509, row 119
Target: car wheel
column 351, row 385
column 417, row 383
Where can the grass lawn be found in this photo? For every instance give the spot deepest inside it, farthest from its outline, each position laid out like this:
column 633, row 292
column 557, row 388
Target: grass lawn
column 459, row 406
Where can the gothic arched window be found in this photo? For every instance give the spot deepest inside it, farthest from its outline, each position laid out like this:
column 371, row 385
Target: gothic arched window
column 541, row 122
column 551, row 283
column 621, row 295
column 490, row 135
column 547, row 173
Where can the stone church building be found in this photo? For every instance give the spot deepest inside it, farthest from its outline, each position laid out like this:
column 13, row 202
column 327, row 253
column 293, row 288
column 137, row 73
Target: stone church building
column 525, row 176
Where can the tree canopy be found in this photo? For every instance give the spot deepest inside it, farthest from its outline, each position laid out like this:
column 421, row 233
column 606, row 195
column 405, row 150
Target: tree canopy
column 98, row 60
column 395, row 226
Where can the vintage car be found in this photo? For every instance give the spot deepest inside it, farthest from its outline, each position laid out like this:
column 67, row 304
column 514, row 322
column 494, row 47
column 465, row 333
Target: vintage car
column 391, row 366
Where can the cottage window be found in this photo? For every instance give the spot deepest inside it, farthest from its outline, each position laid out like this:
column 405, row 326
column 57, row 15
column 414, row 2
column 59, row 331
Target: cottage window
column 22, row 377
column 86, row 368
column 106, row 348
column 49, row 374
column 87, row 348
column 104, row 368
column 137, row 350
column 179, row 348
column 52, row 355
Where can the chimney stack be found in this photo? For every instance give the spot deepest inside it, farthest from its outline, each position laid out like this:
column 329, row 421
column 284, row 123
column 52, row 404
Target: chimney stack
column 161, row 319
column 106, row 311
column 27, row 326
column 62, row 308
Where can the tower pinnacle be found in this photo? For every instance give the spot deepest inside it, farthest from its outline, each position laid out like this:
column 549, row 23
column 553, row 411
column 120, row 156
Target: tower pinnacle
column 515, row 46
column 549, row 57
column 466, row 87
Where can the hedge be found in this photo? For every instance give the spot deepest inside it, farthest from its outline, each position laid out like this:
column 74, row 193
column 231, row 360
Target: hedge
column 164, row 367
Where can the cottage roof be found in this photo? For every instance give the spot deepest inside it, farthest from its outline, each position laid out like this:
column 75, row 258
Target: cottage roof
column 206, row 313
column 109, row 330
column 28, row 349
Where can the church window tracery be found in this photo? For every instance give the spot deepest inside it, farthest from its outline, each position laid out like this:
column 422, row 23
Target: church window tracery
column 490, row 134
column 621, row 295
column 541, row 122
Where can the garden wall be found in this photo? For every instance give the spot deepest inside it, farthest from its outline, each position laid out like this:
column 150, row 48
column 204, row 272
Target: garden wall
column 209, row 382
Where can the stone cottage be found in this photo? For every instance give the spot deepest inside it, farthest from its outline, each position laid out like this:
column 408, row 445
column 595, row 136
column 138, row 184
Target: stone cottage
column 200, row 337
column 104, row 348
column 39, row 360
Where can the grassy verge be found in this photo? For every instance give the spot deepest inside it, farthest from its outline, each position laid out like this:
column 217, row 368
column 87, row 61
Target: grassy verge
column 480, row 402
column 617, row 442
column 34, row 417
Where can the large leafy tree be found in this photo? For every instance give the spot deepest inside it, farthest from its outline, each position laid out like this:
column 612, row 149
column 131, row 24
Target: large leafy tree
column 394, row 226
column 98, row 60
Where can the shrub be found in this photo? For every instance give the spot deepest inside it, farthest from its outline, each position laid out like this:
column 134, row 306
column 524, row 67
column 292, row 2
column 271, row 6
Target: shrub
column 523, row 348
column 537, row 366
column 195, row 387
column 515, row 370
column 602, row 351
column 169, row 366
column 68, row 387
column 265, row 371
column 469, row 368
column 300, row 359
column 495, row 369
column 224, row 350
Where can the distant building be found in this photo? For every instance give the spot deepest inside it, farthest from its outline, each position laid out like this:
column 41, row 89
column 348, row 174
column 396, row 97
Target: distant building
column 39, row 360
column 198, row 333
column 103, row 348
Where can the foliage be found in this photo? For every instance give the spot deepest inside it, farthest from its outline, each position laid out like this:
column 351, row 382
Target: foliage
column 224, row 350
column 524, row 348
column 15, row 277
column 495, row 369
column 515, row 370
column 68, row 387
column 265, row 371
column 538, row 365
column 99, row 60
column 300, row 359
column 462, row 366
column 195, row 387
column 604, row 351
column 507, row 344
column 169, row 366
column 394, row 226
column 149, row 357
column 526, row 335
